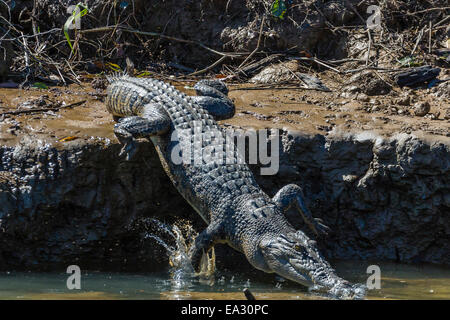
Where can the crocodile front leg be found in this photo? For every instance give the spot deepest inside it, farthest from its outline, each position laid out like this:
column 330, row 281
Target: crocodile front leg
column 292, row 195
column 212, row 96
column 154, row 121
column 204, row 242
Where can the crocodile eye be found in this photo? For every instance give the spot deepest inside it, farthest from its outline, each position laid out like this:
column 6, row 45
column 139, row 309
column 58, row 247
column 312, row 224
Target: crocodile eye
column 297, row 247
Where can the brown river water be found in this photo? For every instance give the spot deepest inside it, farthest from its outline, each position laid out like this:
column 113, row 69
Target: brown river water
column 398, row 281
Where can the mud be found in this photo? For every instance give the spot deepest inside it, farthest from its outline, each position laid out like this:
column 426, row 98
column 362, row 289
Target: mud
column 378, row 178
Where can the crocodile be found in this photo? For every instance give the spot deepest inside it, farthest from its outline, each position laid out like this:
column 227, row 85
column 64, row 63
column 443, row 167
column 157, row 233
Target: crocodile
column 224, row 193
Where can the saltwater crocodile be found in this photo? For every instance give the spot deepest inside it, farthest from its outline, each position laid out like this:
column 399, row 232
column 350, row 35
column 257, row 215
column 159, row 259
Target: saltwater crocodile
column 223, row 191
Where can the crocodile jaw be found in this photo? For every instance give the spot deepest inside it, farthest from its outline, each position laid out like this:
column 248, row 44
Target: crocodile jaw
column 295, row 257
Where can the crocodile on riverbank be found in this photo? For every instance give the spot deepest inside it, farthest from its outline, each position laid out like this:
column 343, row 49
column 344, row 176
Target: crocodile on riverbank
column 224, row 192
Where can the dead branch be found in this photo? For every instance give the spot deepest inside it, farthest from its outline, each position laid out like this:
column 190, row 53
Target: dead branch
column 257, row 46
column 16, row 112
column 157, row 34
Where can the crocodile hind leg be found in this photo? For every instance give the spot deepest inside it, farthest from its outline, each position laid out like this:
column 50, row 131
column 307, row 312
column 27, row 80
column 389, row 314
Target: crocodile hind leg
column 292, row 195
column 212, row 96
column 154, row 121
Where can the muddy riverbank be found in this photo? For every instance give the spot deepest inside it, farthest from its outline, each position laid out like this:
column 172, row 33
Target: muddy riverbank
column 67, row 198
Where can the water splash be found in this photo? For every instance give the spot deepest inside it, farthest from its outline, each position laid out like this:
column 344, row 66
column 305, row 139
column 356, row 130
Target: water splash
column 182, row 272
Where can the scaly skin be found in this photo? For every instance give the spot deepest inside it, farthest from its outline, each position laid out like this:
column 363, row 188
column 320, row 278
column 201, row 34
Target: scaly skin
column 224, row 193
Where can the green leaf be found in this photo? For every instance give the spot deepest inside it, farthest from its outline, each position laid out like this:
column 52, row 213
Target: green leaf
column 40, row 85
column 113, row 66
column 73, row 17
column 278, row 9
column 143, row 74
column 410, row 61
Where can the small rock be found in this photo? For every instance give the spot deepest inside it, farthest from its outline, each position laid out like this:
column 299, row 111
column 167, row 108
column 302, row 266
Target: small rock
column 351, row 89
column 405, row 101
column 375, row 108
column 346, row 95
column 362, row 97
column 421, row 108
column 433, row 116
column 447, row 114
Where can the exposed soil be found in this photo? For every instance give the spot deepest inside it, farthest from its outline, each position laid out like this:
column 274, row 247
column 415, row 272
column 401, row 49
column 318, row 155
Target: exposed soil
column 284, row 107
column 320, row 112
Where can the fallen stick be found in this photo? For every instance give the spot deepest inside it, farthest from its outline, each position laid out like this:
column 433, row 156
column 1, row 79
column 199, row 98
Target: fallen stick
column 373, row 68
column 273, row 87
column 179, row 67
column 318, row 62
column 208, row 68
column 429, row 37
column 258, row 44
column 419, row 37
column 42, row 109
column 368, row 47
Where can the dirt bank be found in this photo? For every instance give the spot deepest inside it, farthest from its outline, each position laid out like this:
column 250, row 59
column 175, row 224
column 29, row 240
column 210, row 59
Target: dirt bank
column 67, row 198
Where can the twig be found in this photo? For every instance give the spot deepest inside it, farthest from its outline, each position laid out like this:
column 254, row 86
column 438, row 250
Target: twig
column 37, row 34
column 43, row 109
column 272, row 87
column 74, row 75
column 253, row 67
column 296, row 76
column 227, row 6
column 156, row 34
column 27, row 66
column 429, row 37
column 208, row 68
column 442, row 21
column 257, row 46
column 426, row 10
column 318, row 62
column 356, row 11
column 180, row 67
column 373, row 68
column 33, row 23
column 60, row 75
column 419, row 37
column 368, row 47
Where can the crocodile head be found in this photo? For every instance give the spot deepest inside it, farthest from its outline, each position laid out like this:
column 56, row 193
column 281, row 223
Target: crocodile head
column 295, row 257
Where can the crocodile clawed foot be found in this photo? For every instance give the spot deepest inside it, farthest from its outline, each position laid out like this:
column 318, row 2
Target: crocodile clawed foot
column 321, row 228
column 129, row 149
column 125, row 138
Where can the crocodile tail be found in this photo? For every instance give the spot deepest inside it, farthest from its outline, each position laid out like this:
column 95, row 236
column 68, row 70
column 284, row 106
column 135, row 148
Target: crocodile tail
column 121, row 97
column 115, row 76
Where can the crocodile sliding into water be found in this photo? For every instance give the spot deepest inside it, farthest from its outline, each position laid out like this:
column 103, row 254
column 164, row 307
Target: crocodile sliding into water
column 224, row 193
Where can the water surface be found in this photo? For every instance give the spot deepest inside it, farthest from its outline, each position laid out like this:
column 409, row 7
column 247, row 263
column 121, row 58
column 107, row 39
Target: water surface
column 398, row 281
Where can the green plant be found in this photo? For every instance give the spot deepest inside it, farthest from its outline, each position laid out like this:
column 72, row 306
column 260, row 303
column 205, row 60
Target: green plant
column 76, row 14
